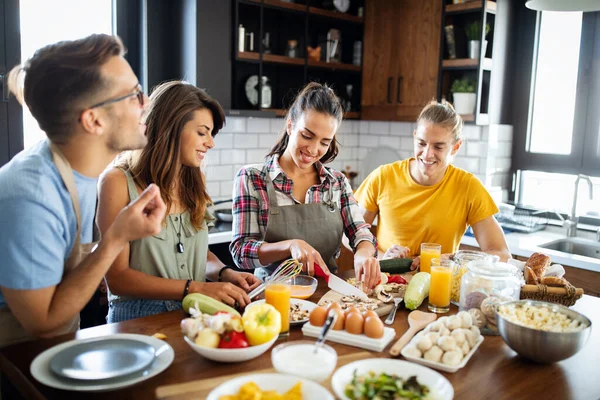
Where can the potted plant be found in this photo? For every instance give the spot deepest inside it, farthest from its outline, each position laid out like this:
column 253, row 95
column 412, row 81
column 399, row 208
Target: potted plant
column 463, row 92
column 473, row 31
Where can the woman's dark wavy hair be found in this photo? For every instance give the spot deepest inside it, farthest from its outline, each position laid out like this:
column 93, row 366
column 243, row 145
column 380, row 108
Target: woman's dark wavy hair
column 315, row 97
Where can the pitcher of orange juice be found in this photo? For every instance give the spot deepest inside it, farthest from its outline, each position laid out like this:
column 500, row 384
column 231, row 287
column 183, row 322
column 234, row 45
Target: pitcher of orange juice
column 429, row 251
column 440, row 285
column 278, row 295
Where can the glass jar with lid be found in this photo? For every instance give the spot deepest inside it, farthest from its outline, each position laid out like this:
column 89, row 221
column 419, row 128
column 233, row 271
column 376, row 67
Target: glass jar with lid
column 462, row 258
column 486, row 284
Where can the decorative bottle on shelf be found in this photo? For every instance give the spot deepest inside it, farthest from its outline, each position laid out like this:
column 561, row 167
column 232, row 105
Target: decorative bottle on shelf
column 292, row 49
column 266, row 93
column 241, row 38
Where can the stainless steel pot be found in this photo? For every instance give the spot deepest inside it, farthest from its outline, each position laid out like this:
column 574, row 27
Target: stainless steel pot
column 222, row 213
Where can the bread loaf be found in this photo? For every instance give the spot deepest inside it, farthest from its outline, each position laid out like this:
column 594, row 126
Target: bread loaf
column 538, row 262
column 530, row 276
column 554, row 281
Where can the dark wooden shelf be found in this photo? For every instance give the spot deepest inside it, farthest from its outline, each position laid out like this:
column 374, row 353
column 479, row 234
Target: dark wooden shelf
column 490, row 6
column 282, row 113
column 335, row 15
column 270, row 58
column 280, row 4
column 467, row 63
column 334, row 65
column 352, row 115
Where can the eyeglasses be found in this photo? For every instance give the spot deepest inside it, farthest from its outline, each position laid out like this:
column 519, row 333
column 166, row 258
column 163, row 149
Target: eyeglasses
column 137, row 91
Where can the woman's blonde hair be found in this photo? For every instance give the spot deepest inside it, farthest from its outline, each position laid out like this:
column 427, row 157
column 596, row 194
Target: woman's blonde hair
column 172, row 105
column 442, row 114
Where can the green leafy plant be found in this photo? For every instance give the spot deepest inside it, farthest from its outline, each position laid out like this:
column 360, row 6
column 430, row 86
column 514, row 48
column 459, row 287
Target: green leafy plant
column 473, row 30
column 463, row 85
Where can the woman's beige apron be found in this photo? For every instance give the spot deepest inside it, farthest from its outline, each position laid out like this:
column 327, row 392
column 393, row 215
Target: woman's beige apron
column 318, row 224
column 12, row 331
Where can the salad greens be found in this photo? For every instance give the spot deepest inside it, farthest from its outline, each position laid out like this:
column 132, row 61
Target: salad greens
column 385, row 387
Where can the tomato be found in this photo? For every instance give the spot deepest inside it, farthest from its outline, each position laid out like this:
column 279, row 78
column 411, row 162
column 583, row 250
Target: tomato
column 233, row 340
column 262, row 323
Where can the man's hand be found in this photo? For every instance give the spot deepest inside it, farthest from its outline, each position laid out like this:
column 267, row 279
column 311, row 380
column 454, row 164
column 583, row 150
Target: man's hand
column 308, row 256
column 244, row 280
column 142, row 217
column 366, row 268
column 396, row 251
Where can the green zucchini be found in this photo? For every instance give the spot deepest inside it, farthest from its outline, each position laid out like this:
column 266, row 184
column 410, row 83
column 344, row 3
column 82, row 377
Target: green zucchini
column 395, row 265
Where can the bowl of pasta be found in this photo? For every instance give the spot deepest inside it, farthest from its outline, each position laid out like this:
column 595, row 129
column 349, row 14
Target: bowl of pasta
column 542, row 332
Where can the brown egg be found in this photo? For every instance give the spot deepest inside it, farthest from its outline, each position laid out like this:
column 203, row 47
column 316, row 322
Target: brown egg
column 370, row 313
column 373, row 327
column 336, row 306
column 351, row 310
column 341, row 320
column 317, row 316
column 355, row 323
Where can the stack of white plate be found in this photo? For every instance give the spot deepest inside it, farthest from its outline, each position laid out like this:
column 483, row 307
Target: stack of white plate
column 103, row 363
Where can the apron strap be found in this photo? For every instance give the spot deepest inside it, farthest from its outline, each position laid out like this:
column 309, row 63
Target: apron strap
column 273, row 206
column 66, row 173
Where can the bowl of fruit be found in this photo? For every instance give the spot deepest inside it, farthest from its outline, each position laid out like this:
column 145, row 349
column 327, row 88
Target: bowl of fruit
column 220, row 333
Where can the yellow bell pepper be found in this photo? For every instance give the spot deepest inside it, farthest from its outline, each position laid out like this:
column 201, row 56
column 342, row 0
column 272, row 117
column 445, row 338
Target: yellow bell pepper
column 262, row 323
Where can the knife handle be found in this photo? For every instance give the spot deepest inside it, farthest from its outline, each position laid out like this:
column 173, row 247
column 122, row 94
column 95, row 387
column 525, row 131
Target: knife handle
column 319, row 272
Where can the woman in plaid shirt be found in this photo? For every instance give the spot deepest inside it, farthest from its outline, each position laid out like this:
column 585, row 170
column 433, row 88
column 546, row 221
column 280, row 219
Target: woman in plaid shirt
column 294, row 206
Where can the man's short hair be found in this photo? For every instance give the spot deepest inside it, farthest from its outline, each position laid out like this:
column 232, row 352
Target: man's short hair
column 62, row 77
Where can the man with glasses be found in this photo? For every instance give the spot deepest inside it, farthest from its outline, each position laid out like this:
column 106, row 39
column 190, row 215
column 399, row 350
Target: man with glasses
column 87, row 99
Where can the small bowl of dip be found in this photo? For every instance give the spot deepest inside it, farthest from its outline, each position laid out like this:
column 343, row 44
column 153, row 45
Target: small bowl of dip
column 299, row 358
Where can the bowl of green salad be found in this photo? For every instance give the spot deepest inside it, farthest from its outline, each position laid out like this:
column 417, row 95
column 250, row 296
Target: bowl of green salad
column 384, row 378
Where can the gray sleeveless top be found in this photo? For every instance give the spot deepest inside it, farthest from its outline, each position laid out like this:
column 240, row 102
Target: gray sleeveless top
column 157, row 255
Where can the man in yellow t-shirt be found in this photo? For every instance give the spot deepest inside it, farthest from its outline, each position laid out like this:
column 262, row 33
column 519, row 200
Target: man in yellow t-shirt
column 426, row 199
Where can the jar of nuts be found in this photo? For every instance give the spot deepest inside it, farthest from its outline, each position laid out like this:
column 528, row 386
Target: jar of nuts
column 485, row 284
column 462, row 258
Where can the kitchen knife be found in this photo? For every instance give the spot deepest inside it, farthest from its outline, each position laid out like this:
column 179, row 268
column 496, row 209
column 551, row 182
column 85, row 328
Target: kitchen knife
column 343, row 287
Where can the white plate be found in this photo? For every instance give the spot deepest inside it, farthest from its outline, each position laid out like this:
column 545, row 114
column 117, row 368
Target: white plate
column 437, row 365
column 304, row 304
column 440, row 388
column 40, row 367
column 350, row 339
column 279, row 382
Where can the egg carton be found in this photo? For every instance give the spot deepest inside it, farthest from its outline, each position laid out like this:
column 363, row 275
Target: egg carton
column 350, row 339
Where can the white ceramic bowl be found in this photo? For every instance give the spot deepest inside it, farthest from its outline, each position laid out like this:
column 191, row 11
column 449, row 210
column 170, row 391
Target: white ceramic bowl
column 298, row 358
column 279, row 382
column 230, row 355
column 440, row 388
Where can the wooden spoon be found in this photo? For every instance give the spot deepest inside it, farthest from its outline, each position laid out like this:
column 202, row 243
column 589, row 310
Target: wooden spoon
column 417, row 320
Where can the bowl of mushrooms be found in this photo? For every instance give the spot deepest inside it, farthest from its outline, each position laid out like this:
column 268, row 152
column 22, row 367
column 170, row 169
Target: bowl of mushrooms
column 446, row 344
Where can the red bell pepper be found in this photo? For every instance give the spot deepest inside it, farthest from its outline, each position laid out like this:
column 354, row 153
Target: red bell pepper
column 233, row 340
column 397, row 279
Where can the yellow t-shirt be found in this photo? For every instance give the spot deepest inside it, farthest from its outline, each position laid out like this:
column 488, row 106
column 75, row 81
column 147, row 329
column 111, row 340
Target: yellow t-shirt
column 411, row 214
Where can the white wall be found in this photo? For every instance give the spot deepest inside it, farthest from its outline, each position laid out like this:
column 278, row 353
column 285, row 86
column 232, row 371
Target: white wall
column 486, row 151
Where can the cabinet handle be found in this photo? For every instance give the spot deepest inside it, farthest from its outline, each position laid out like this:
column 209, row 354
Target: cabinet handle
column 389, row 92
column 4, row 92
column 398, row 90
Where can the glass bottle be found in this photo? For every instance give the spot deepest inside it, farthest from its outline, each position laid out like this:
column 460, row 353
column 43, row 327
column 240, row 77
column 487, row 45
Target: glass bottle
column 266, row 93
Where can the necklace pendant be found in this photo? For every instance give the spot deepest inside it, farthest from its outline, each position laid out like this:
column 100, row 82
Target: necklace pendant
column 180, row 247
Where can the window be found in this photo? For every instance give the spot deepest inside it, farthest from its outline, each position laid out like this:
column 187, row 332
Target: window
column 84, row 18
column 560, row 138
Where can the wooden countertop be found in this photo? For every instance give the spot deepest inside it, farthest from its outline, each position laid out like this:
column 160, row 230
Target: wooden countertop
column 494, row 371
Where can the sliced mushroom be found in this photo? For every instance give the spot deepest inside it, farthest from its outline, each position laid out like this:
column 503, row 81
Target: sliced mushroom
column 384, row 278
column 382, row 294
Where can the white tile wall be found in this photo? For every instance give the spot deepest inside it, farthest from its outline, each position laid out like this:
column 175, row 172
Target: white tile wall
column 486, row 151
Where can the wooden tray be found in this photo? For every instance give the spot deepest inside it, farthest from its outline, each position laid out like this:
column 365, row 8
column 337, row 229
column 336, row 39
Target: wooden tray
column 200, row 389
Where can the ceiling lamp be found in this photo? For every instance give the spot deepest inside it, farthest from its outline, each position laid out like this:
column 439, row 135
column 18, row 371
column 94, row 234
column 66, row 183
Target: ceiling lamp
column 563, row 5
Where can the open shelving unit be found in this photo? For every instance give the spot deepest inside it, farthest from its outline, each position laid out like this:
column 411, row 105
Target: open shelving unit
column 308, row 23
column 477, row 69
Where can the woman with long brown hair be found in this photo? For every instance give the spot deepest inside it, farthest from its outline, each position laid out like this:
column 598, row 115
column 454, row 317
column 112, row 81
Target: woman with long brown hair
column 292, row 205
column 153, row 274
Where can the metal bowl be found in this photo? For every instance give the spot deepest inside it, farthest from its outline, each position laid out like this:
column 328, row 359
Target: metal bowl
column 542, row 346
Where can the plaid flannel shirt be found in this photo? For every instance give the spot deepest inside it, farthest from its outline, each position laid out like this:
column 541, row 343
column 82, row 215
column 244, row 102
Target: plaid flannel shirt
column 251, row 207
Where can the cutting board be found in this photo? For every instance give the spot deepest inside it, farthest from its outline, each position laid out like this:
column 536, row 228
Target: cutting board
column 383, row 309
column 200, row 389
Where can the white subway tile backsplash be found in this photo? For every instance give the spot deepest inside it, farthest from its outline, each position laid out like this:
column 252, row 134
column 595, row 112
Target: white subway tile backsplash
column 476, row 149
column 391, row 142
column 259, row 125
column 277, row 125
column 227, row 188
column 470, row 164
column 368, row 140
column 363, row 126
column 256, row 156
column 379, row 127
column 362, row 153
column 503, row 164
column 246, row 141
column 505, row 133
column 235, row 156
column 219, row 173
column 504, row 149
column 267, row 140
column 348, row 126
column 348, row 139
column 234, row 124
column 213, row 157
column 224, row 141
column 402, row 128
column 214, row 189
column 406, row 143
column 471, row 132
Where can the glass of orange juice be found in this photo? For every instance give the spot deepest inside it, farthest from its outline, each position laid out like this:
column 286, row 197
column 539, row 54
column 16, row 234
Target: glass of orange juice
column 278, row 295
column 429, row 251
column 440, row 285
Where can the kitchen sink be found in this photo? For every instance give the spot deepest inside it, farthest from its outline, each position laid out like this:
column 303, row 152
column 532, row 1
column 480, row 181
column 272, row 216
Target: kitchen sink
column 578, row 246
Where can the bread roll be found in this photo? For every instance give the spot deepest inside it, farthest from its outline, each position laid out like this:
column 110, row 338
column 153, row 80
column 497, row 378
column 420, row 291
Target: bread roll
column 538, row 262
column 554, row 281
column 530, row 276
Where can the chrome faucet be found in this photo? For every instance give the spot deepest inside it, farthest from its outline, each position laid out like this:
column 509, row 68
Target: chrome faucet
column 571, row 223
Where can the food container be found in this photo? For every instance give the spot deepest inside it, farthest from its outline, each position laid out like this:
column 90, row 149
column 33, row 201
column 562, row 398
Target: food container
column 300, row 358
column 462, row 258
column 302, row 286
column 484, row 285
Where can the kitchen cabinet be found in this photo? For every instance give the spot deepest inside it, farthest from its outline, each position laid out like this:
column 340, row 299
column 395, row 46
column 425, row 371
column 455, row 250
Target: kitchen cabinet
column 401, row 58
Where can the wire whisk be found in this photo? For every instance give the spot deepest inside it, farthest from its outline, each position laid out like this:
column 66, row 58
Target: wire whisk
column 286, row 270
